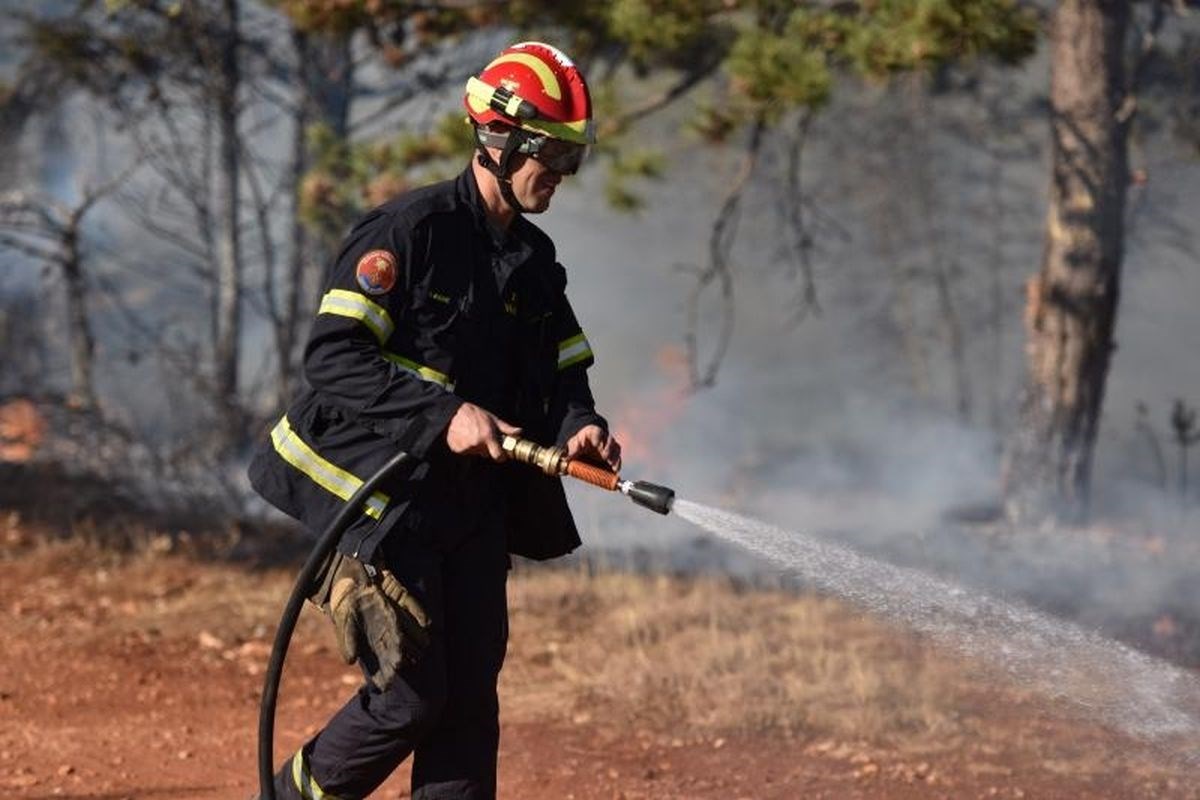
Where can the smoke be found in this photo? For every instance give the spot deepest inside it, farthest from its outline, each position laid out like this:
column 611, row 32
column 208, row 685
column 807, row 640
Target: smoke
column 858, row 424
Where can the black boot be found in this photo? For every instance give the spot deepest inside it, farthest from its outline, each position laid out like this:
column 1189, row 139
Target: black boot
column 285, row 787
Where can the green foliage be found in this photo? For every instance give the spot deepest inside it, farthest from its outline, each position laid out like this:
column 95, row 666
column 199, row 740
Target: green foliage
column 888, row 36
column 347, row 178
column 326, row 197
column 715, row 122
column 769, row 58
column 627, row 165
column 772, row 57
column 778, row 72
column 325, row 16
column 448, row 140
column 581, row 29
column 664, row 32
column 778, row 68
column 396, row 27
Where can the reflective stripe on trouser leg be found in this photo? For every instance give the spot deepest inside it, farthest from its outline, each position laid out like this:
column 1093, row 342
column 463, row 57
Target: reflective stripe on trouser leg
column 305, row 783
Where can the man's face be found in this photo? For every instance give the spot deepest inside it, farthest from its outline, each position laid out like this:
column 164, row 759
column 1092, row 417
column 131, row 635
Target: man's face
column 533, row 183
column 535, row 176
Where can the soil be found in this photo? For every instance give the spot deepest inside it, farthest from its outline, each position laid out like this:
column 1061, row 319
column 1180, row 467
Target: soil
column 139, row 677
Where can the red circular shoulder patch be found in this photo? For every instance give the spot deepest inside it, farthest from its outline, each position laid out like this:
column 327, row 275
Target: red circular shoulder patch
column 376, row 272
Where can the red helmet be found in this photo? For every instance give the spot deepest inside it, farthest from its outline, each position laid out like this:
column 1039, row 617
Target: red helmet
column 537, row 88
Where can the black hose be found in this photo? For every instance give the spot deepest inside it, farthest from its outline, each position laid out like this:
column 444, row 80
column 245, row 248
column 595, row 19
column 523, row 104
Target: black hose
column 291, row 612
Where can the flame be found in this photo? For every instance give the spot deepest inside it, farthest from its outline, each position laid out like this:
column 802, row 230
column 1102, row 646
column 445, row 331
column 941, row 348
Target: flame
column 1165, row 627
column 638, row 424
column 22, row 429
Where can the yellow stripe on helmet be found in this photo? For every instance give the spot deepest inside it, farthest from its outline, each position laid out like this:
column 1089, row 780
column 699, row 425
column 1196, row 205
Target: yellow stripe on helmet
column 581, row 131
column 546, row 75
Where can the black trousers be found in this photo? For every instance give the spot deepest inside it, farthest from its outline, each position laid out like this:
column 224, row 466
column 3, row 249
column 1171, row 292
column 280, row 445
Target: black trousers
column 444, row 709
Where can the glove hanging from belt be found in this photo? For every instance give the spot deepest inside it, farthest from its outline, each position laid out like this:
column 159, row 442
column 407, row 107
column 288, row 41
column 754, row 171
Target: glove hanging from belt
column 378, row 622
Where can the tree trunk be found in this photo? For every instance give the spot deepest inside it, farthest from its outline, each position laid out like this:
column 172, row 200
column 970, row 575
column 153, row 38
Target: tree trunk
column 79, row 329
column 326, row 82
column 924, row 191
column 287, row 319
column 1072, row 301
column 227, row 347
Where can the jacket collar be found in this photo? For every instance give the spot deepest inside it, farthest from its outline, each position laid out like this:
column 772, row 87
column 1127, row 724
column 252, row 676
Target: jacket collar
column 512, row 246
column 466, row 189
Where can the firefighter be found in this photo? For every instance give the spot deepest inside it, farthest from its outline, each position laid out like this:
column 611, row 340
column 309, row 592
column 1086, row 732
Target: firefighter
column 443, row 326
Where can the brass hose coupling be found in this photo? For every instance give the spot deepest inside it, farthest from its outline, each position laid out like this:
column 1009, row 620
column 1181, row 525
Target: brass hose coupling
column 550, row 460
column 554, row 462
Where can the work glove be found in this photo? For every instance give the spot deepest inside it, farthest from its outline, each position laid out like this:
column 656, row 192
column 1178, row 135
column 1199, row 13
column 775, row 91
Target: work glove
column 378, row 622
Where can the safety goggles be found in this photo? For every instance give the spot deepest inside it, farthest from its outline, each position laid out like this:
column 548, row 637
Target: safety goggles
column 562, row 157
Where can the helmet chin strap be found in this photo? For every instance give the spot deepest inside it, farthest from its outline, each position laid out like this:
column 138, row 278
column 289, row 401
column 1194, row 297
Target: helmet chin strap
column 502, row 169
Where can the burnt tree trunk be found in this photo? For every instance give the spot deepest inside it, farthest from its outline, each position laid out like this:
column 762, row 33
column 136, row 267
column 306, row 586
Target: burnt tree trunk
column 326, row 70
column 1072, row 301
column 79, row 328
column 228, row 311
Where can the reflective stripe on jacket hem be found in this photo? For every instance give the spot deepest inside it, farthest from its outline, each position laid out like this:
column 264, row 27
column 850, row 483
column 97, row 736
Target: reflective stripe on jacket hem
column 573, row 350
column 345, row 303
column 330, row 477
column 309, row 790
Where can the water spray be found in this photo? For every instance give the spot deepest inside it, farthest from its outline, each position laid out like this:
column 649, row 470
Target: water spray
column 1127, row 689
column 554, row 462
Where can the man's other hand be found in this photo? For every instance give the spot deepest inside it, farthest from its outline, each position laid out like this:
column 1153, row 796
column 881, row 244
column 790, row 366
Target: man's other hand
column 476, row 432
column 592, row 442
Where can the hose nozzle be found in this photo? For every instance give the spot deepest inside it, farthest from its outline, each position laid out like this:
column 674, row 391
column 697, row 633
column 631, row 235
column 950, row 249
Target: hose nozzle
column 649, row 495
column 554, row 462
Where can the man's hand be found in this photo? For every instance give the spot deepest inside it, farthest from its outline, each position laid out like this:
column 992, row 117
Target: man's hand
column 473, row 431
column 593, row 442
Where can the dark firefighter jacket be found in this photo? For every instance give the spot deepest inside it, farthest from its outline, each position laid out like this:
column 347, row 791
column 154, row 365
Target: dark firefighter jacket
column 468, row 314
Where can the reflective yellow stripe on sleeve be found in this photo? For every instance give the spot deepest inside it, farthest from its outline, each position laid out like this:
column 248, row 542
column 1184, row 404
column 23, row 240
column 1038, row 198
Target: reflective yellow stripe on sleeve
column 421, row 371
column 345, row 303
column 573, row 350
column 309, row 790
column 325, row 474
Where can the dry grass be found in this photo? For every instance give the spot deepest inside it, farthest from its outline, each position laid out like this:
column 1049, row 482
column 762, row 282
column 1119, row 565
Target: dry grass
column 656, row 658
column 656, row 654
column 662, row 653
column 703, row 655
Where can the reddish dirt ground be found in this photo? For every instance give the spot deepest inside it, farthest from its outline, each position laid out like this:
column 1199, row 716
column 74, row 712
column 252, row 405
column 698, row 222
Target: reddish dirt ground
column 127, row 679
